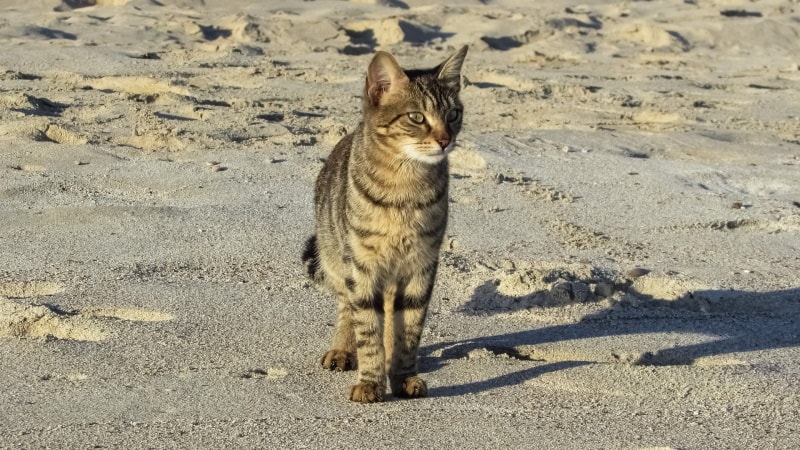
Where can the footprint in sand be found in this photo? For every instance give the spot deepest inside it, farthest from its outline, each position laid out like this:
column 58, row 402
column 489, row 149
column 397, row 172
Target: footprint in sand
column 135, row 85
column 27, row 289
column 49, row 321
column 768, row 226
column 561, row 353
column 553, row 291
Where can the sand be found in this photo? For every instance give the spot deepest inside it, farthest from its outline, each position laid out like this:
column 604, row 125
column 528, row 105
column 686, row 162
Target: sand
column 622, row 265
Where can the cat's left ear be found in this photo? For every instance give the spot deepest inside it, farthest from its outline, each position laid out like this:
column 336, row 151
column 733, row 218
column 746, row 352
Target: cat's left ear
column 449, row 71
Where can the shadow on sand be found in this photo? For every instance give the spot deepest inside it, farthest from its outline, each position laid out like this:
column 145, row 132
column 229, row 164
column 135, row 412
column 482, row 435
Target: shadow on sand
column 736, row 321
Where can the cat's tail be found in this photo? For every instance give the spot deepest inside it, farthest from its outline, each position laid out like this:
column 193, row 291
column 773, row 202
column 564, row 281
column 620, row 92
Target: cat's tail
column 311, row 260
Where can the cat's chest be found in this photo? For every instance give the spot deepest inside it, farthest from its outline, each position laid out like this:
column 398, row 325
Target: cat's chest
column 407, row 235
column 400, row 225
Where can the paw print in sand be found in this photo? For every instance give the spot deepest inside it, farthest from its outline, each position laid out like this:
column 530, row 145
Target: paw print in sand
column 24, row 315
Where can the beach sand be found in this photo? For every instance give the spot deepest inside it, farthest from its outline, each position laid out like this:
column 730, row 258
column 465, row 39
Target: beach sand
column 622, row 264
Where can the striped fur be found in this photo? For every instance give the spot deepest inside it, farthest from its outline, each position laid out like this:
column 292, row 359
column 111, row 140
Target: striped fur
column 381, row 213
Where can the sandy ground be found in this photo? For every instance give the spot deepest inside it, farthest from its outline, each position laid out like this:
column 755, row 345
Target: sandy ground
column 622, row 268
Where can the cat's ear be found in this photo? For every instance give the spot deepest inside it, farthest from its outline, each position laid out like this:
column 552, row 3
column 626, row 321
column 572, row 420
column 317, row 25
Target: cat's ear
column 384, row 76
column 449, row 72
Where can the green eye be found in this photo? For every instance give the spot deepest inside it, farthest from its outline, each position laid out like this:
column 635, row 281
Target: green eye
column 453, row 115
column 416, row 117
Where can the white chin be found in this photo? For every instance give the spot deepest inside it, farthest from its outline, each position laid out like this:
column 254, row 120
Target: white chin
column 426, row 157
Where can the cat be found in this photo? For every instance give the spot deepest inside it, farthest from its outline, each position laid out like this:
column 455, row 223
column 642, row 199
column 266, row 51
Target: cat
column 381, row 212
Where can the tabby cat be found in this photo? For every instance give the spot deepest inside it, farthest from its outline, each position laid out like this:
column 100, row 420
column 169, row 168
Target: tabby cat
column 381, row 212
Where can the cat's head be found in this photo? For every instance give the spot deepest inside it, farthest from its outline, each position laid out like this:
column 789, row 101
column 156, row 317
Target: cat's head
column 417, row 112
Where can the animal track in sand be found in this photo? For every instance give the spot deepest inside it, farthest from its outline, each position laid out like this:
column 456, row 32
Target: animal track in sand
column 504, row 43
column 787, row 223
column 556, row 353
column 534, row 188
column 525, row 286
column 61, row 135
column 26, row 289
column 271, row 373
column 45, row 321
column 558, row 293
column 651, row 35
column 27, row 168
column 576, row 236
column 366, row 34
column 129, row 314
column 153, row 142
column 568, row 293
column 49, row 321
column 486, row 80
column 135, row 85
column 464, row 160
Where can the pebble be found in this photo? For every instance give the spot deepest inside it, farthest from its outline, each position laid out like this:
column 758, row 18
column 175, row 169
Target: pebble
column 737, row 205
column 604, row 289
column 580, row 291
column 636, row 272
column 561, row 293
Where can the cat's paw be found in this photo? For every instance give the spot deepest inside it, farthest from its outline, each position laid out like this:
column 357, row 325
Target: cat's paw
column 367, row 392
column 412, row 387
column 339, row 360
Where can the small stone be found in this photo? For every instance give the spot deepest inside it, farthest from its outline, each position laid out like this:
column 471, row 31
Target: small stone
column 218, row 168
column 452, row 243
column 212, row 163
column 703, row 305
column 561, row 293
column 604, row 289
column 276, row 373
column 509, row 266
column 636, row 272
column 737, row 205
column 580, row 291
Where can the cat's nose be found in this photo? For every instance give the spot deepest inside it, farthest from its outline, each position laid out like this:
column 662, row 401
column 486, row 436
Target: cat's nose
column 444, row 143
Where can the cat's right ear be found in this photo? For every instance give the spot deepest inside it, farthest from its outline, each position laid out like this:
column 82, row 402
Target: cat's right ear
column 449, row 72
column 384, row 76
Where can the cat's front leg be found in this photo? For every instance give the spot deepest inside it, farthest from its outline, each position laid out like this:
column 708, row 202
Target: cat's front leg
column 342, row 354
column 368, row 325
column 410, row 310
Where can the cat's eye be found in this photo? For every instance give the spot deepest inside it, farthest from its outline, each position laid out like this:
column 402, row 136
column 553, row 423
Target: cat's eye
column 453, row 115
column 416, row 117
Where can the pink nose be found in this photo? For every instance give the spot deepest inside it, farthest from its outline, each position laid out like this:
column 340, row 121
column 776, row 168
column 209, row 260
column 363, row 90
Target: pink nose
column 444, row 143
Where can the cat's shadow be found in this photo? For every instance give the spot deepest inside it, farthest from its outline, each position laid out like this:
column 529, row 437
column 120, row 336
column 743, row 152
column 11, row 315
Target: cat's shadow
column 739, row 321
